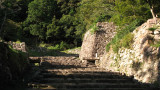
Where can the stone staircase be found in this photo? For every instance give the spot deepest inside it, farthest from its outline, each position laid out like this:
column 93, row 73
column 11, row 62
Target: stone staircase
column 69, row 73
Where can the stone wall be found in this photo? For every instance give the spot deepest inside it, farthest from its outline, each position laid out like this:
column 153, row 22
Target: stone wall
column 95, row 43
column 141, row 61
column 12, row 66
column 19, row 46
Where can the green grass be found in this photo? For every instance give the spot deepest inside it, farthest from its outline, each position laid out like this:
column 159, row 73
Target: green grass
column 94, row 28
column 123, row 37
column 157, row 44
column 45, row 52
column 48, row 49
column 127, row 40
column 154, row 27
column 72, row 51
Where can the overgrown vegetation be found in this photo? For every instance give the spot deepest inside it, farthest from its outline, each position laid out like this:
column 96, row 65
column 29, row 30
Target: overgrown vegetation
column 54, row 25
column 49, row 49
column 54, row 21
column 94, row 28
column 123, row 37
column 156, row 44
column 153, row 28
column 127, row 40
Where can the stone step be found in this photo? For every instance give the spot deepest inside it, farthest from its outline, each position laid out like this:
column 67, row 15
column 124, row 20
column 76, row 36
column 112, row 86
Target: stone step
column 95, row 89
column 65, row 73
column 91, row 58
column 87, row 85
column 93, row 76
column 79, row 80
column 75, row 68
column 81, row 72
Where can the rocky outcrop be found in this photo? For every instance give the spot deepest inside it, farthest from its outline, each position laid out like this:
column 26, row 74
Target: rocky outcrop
column 94, row 44
column 141, row 60
column 12, row 65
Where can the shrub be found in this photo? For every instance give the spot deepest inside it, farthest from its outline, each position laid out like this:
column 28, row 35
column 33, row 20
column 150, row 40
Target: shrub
column 63, row 46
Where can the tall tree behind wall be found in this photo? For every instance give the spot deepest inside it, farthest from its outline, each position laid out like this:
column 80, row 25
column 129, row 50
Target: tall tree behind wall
column 154, row 7
column 40, row 14
column 127, row 11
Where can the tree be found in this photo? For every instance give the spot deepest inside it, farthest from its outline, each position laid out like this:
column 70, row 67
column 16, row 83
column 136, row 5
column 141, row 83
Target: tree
column 90, row 10
column 154, row 7
column 7, row 7
column 127, row 11
column 40, row 14
column 21, row 15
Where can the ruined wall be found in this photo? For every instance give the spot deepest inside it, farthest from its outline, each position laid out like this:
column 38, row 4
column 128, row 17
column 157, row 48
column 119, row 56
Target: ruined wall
column 96, row 42
column 12, row 66
column 19, row 46
column 140, row 61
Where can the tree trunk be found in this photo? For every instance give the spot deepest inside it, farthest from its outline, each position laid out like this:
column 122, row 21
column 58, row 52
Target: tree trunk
column 152, row 11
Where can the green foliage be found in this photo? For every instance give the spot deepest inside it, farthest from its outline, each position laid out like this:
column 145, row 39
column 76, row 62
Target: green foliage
column 61, row 46
column 108, row 46
column 127, row 40
column 154, row 6
column 121, row 35
column 152, row 29
column 40, row 14
column 92, row 11
column 157, row 44
column 49, row 50
column 128, row 10
column 116, row 47
column 94, row 28
column 54, row 21
column 11, row 31
column 18, row 41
